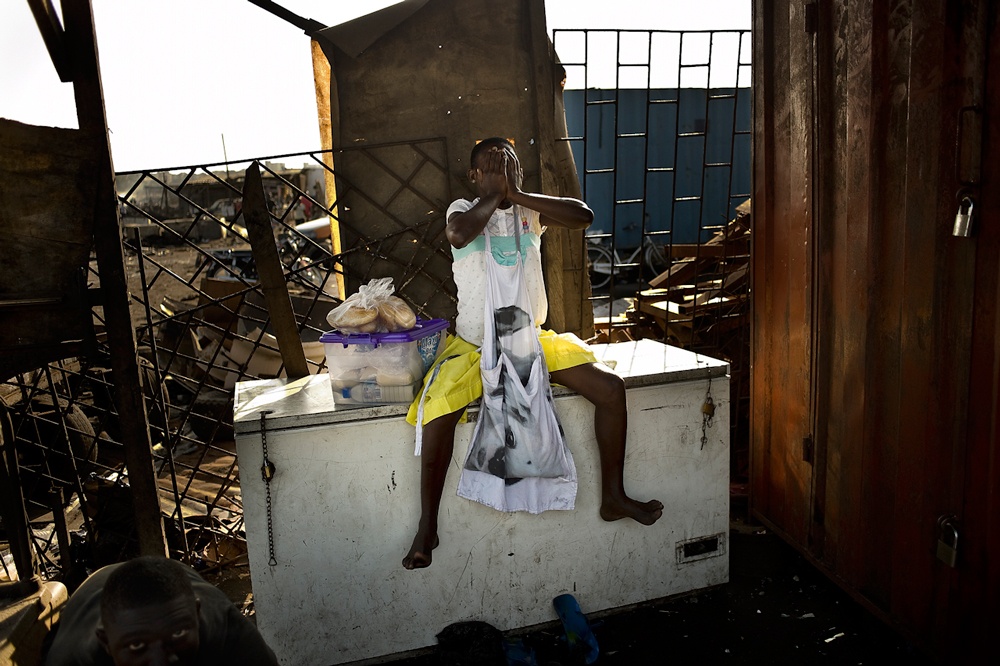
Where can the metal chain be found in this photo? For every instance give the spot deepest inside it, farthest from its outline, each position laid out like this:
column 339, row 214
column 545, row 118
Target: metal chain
column 267, row 470
column 707, row 413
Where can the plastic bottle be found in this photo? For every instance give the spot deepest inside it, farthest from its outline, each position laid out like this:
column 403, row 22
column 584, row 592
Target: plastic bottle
column 373, row 393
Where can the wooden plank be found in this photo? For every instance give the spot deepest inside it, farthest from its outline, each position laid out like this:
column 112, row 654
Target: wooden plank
column 917, row 473
column 777, row 281
column 722, row 245
column 796, row 247
column 832, row 207
column 664, row 309
column 764, row 165
column 686, row 272
column 114, row 286
column 673, row 325
column 826, row 72
column 565, row 251
column 54, row 37
column 779, row 415
column 847, row 434
column 894, row 304
column 954, row 270
column 272, row 276
column 730, row 248
column 324, row 110
column 890, row 71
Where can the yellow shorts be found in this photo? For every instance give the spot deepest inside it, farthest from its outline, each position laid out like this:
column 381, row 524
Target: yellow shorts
column 459, row 382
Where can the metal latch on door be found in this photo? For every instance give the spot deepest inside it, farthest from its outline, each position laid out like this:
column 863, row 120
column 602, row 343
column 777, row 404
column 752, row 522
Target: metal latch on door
column 963, row 219
column 947, row 545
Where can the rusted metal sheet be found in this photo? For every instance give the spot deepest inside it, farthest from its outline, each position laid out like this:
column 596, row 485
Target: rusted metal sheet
column 47, row 194
column 873, row 325
column 429, row 78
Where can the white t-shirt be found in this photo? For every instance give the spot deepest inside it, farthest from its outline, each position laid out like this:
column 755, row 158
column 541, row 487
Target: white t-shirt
column 469, row 267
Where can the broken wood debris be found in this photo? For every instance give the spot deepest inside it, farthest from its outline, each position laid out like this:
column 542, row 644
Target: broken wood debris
column 702, row 300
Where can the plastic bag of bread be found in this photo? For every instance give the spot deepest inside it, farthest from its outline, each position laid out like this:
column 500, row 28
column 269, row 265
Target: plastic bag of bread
column 396, row 315
column 373, row 309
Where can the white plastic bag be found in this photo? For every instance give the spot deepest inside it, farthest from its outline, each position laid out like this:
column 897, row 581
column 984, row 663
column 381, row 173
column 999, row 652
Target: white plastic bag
column 517, row 459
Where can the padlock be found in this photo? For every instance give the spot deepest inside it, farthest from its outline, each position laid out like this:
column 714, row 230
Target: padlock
column 947, row 545
column 708, row 409
column 267, row 470
column 963, row 219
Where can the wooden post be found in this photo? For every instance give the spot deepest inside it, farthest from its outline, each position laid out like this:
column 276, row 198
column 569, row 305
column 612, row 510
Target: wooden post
column 82, row 46
column 564, row 255
column 272, row 277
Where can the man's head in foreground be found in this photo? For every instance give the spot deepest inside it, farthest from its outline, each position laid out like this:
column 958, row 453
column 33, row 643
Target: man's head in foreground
column 149, row 614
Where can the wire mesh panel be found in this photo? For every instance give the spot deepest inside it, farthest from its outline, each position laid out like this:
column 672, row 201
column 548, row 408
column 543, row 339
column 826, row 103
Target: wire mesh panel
column 660, row 126
column 202, row 325
column 382, row 236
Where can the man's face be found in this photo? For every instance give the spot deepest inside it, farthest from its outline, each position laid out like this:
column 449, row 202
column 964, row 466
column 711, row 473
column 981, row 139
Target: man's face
column 481, row 161
column 153, row 635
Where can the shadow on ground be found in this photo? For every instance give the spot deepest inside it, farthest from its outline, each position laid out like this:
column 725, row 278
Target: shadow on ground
column 777, row 609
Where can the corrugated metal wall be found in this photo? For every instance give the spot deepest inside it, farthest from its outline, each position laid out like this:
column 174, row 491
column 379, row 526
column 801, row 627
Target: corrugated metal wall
column 654, row 145
column 874, row 352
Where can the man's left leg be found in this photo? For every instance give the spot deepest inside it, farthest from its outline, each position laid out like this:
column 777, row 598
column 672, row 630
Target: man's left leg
column 606, row 391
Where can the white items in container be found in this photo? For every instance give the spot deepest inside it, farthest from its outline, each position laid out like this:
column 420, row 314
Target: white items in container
column 382, row 368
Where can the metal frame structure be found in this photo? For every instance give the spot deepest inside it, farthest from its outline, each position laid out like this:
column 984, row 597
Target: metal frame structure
column 701, row 301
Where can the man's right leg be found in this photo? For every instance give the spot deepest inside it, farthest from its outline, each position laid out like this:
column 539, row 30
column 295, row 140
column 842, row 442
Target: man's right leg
column 435, row 456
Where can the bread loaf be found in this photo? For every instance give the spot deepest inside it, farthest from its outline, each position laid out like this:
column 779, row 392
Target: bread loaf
column 352, row 317
column 396, row 315
column 373, row 310
column 371, row 326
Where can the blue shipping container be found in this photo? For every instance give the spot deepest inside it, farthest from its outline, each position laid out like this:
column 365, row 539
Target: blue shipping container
column 683, row 165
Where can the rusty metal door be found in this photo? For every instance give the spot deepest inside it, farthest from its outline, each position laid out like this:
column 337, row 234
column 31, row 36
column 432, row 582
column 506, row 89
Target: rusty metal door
column 874, row 346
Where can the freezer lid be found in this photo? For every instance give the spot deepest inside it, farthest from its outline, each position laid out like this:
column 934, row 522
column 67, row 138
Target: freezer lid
column 309, row 401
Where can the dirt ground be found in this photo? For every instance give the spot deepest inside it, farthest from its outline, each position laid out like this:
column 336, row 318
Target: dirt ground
column 169, row 268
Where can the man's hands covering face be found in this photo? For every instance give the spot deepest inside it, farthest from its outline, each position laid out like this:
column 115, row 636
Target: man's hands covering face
column 499, row 172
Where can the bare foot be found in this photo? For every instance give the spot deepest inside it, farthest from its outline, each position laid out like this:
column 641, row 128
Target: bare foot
column 419, row 556
column 646, row 513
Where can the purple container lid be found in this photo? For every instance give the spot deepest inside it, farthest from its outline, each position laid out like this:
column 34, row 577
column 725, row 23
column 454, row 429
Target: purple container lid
column 423, row 328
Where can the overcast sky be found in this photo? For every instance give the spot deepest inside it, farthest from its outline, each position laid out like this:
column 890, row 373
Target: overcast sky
column 183, row 77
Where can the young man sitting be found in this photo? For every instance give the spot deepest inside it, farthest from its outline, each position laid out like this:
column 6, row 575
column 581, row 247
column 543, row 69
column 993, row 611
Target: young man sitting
column 496, row 175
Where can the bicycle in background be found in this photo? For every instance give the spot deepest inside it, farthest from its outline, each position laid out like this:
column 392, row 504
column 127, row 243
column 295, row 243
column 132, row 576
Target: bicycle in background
column 648, row 259
column 306, row 258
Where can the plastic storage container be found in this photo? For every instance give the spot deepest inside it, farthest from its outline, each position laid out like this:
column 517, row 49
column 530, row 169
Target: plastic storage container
column 381, row 368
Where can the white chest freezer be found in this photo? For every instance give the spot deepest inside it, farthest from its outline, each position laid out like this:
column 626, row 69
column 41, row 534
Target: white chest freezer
column 342, row 507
